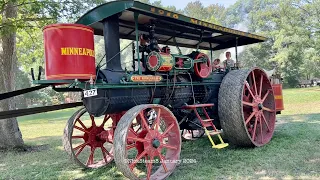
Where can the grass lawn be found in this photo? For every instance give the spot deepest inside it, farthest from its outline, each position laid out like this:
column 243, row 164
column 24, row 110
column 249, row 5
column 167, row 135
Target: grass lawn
column 293, row 153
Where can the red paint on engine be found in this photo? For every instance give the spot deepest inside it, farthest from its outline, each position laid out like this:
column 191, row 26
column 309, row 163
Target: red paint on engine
column 277, row 89
column 153, row 61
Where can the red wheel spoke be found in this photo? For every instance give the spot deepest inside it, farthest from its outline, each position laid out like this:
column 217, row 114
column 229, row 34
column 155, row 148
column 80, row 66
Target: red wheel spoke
column 254, row 82
column 167, row 130
column 83, row 144
column 136, row 125
column 81, row 129
column 90, row 159
column 106, row 118
column 261, row 129
column 248, row 87
column 157, row 122
column 265, row 121
column 137, row 139
column 137, row 159
column 169, row 147
column 250, row 117
column 105, row 150
column 260, row 89
column 149, row 142
column 267, row 109
column 247, row 103
column 245, row 97
column 149, row 167
column 80, row 147
column 265, row 96
column 92, row 120
column 162, row 159
column 77, row 137
column 81, row 123
column 133, row 132
column 254, row 129
column 104, row 153
column 138, row 129
column 87, row 139
column 104, row 156
column 144, row 121
column 131, row 146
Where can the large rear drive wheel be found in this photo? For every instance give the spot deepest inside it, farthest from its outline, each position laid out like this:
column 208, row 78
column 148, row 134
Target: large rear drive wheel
column 247, row 107
column 145, row 149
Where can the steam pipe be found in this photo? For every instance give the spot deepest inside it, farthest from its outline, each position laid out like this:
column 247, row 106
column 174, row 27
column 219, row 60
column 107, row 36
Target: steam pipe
column 112, row 43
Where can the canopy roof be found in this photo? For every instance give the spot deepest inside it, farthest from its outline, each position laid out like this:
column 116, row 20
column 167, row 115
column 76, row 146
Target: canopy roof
column 186, row 30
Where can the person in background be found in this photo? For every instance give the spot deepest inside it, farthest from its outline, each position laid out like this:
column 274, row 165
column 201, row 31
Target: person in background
column 228, row 63
column 215, row 65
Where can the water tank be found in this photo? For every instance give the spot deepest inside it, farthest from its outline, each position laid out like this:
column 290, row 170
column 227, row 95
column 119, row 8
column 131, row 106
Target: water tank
column 69, row 52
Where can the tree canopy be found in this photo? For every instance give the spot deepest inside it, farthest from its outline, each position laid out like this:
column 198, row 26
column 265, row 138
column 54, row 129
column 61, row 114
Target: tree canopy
column 292, row 28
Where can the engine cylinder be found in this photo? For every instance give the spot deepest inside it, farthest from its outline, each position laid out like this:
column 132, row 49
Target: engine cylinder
column 159, row 61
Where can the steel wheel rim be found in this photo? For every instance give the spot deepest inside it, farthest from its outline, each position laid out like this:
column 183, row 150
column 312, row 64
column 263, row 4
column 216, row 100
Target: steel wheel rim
column 258, row 107
column 149, row 144
column 91, row 142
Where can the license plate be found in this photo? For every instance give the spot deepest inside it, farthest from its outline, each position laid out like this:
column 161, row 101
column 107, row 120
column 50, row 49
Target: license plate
column 90, row 92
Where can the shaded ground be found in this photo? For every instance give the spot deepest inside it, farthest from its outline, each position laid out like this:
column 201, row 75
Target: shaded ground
column 293, row 152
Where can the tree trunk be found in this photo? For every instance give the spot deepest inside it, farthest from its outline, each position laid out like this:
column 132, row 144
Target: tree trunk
column 10, row 134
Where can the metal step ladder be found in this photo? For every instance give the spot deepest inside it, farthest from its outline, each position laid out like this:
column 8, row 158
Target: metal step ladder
column 207, row 123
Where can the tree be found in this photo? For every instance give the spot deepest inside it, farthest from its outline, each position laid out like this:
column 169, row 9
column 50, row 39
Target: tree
column 292, row 29
column 216, row 13
column 10, row 135
column 196, row 10
column 19, row 16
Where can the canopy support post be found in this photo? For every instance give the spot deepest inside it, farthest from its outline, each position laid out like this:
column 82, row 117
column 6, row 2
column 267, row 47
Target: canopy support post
column 200, row 41
column 136, row 15
column 175, row 43
column 210, row 51
column 237, row 63
column 133, row 54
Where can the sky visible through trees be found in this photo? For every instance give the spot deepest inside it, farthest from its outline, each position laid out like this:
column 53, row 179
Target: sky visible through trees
column 181, row 4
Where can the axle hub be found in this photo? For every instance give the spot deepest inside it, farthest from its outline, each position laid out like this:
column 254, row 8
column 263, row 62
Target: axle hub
column 155, row 143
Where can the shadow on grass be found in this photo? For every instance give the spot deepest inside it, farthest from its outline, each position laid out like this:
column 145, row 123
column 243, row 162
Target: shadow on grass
column 46, row 159
column 302, row 117
column 292, row 153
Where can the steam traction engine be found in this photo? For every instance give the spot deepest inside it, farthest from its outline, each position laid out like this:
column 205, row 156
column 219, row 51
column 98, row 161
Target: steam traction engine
column 139, row 115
